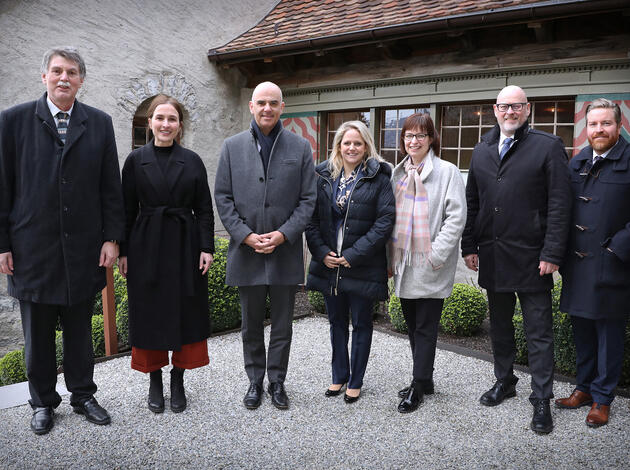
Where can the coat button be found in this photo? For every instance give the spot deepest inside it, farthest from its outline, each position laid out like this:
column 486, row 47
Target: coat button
column 65, row 234
column 261, row 179
column 499, row 178
column 63, row 181
column 65, row 208
column 496, row 209
column 267, row 204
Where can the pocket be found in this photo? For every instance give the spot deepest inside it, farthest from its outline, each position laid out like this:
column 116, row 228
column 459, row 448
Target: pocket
column 289, row 161
column 613, row 271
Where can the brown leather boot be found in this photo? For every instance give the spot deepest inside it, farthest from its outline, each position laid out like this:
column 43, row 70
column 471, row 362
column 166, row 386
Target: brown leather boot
column 576, row 400
column 598, row 416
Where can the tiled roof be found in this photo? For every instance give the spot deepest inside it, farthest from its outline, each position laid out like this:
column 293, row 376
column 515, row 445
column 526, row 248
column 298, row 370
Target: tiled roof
column 299, row 20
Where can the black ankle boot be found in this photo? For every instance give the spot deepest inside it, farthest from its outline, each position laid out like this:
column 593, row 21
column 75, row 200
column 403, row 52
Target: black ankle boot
column 156, row 392
column 178, row 396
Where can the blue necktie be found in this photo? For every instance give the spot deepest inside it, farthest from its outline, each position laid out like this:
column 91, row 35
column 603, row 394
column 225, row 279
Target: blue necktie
column 62, row 125
column 505, row 147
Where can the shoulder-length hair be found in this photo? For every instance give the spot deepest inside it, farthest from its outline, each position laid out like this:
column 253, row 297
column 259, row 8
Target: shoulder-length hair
column 165, row 99
column 424, row 123
column 335, row 162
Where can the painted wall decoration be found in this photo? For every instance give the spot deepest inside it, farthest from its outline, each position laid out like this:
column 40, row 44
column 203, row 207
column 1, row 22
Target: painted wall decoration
column 582, row 101
column 305, row 125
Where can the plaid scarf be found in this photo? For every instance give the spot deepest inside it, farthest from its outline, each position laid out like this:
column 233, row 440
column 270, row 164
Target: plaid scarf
column 411, row 239
column 346, row 183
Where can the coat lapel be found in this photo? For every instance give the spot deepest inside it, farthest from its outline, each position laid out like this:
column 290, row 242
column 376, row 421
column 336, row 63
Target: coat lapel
column 175, row 166
column 76, row 126
column 150, row 166
column 48, row 122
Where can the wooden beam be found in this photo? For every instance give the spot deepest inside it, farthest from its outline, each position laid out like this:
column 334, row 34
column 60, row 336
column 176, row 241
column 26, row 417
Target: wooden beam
column 109, row 314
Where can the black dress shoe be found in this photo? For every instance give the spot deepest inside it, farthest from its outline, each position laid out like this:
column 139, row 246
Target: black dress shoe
column 428, row 388
column 156, row 392
column 42, row 420
column 253, row 396
column 412, row 400
column 93, row 412
column 348, row 399
column 279, row 397
column 333, row 393
column 178, row 394
column 542, row 423
column 499, row 392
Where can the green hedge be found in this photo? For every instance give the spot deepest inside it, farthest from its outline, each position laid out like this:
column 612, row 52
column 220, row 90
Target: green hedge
column 463, row 312
column 225, row 308
column 12, row 368
column 316, row 299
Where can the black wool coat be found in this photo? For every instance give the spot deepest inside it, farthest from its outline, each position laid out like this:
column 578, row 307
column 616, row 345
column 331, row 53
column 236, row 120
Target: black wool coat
column 596, row 270
column 368, row 225
column 518, row 209
column 58, row 203
column 169, row 222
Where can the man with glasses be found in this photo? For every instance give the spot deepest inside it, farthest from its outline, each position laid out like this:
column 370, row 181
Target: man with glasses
column 519, row 201
column 596, row 272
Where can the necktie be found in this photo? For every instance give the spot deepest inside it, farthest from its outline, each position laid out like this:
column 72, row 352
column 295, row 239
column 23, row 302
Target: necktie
column 505, row 147
column 62, row 125
column 598, row 158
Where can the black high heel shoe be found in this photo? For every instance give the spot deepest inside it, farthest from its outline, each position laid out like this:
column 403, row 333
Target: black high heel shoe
column 334, row 393
column 348, row 399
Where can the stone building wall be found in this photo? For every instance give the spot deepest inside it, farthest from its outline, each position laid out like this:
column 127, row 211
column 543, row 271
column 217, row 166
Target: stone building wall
column 133, row 50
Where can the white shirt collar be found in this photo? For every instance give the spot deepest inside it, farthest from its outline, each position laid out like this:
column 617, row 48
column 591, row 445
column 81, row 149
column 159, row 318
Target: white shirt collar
column 603, row 155
column 54, row 109
column 502, row 138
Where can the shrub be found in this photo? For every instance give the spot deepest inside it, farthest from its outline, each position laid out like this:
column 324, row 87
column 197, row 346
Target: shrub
column 225, row 309
column 316, row 299
column 12, row 368
column 59, row 348
column 122, row 322
column 120, row 292
column 464, row 310
column 98, row 335
column 396, row 316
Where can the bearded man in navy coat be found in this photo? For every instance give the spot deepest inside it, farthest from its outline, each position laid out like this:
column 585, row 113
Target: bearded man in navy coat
column 596, row 272
column 61, row 217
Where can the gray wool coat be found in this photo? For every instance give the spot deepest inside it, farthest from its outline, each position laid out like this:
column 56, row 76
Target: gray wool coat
column 250, row 201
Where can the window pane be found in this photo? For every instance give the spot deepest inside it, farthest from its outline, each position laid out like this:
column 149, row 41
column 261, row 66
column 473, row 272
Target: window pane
column 450, row 137
column 470, row 115
column 566, row 134
column 487, row 115
column 543, row 112
column 450, row 116
column 389, row 139
column 403, row 114
column 389, row 155
column 139, row 135
column 364, row 117
column 470, row 136
column 565, row 111
column 334, row 121
column 464, row 159
column 450, row 156
column 544, row 128
column 390, row 118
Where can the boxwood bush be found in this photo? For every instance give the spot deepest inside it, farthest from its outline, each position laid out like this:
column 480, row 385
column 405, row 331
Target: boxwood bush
column 225, row 308
column 396, row 316
column 12, row 368
column 316, row 299
column 464, row 311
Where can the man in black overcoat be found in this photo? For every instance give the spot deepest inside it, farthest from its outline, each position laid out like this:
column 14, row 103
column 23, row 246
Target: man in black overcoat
column 596, row 271
column 519, row 202
column 61, row 217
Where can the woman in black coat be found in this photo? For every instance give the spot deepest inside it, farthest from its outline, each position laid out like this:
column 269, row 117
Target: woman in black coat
column 168, row 251
column 347, row 236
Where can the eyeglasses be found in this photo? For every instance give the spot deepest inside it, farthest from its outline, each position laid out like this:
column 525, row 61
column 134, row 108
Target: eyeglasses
column 419, row 137
column 503, row 107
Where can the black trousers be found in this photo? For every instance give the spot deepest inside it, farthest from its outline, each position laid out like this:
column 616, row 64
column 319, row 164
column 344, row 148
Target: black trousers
column 423, row 318
column 538, row 325
column 38, row 324
column 599, row 351
column 253, row 305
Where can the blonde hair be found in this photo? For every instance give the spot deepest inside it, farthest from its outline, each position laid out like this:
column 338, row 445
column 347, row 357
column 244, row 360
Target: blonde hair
column 335, row 162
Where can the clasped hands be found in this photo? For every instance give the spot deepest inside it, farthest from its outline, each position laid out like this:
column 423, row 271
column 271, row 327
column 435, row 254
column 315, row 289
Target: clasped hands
column 544, row 267
column 265, row 243
column 332, row 261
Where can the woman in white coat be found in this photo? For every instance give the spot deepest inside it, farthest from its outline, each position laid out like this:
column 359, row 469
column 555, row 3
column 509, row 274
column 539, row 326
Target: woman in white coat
column 424, row 249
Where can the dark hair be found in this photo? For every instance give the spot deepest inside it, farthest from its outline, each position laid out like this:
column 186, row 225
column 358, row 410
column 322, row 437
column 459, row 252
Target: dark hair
column 165, row 99
column 604, row 104
column 67, row 52
column 423, row 122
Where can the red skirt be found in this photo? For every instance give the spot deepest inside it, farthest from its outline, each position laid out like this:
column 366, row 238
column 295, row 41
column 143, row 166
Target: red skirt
column 190, row 356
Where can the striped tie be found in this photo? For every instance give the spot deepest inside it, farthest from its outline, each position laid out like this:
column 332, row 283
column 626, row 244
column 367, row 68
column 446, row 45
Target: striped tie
column 598, row 158
column 62, row 125
column 505, row 147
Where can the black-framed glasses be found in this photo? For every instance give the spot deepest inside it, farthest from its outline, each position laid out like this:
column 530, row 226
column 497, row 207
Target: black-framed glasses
column 409, row 137
column 503, row 107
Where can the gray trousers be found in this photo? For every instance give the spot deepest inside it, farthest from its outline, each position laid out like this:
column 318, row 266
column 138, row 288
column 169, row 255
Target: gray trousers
column 253, row 306
column 538, row 325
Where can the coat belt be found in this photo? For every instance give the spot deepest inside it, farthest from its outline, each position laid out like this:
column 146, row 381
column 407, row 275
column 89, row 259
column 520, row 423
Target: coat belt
column 183, row 215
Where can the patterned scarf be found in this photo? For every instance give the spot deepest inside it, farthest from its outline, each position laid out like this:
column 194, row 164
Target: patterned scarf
column 411, row 239
column 346, row 183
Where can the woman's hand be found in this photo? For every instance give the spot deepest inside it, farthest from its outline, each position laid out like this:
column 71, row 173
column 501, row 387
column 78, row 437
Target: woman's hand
column 331, row 261
column 343, row 262
column 205, row 260
column 122, row 266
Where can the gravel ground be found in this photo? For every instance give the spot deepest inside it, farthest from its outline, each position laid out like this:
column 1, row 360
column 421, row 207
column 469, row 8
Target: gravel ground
column 449, row 430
